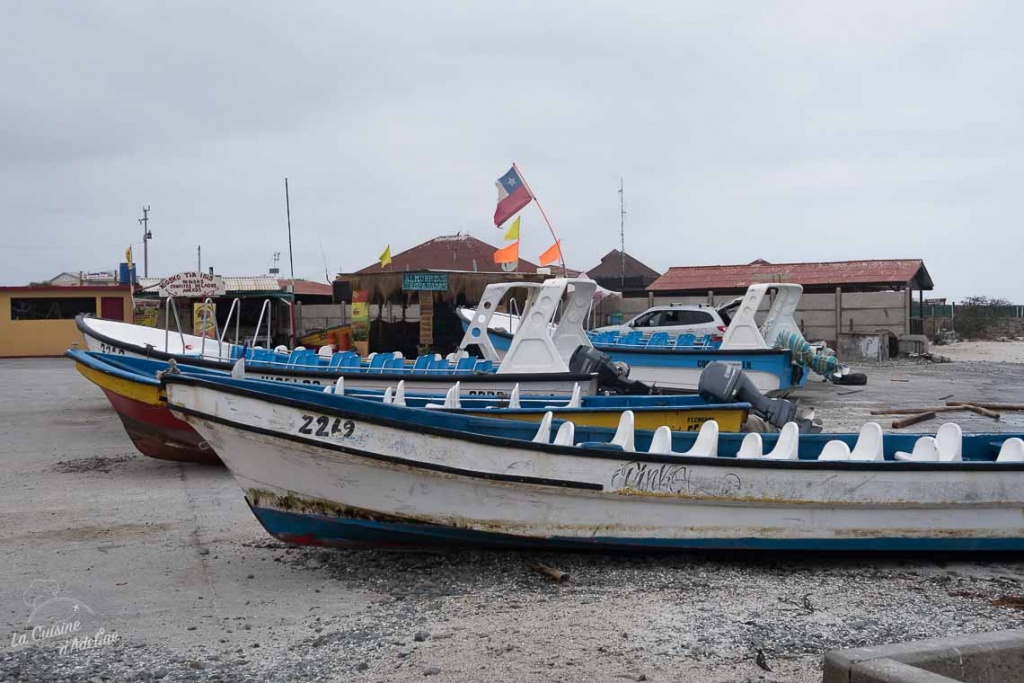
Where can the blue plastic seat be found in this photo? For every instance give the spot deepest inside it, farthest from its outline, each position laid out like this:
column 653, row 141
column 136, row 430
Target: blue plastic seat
column 685, row 340
column 377, row 362
column 658, row 340
column 465, row 364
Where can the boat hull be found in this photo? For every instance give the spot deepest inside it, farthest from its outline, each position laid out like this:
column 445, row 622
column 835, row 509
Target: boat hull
column 381, row 479
column 153, row 429
column 678, row 419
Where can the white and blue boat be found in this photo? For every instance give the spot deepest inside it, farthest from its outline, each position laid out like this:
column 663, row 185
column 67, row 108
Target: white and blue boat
column 322, row 469
column 661, row 361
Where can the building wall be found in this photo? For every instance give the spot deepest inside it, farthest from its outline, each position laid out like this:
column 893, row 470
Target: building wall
column 858, row 312
column 49, row 337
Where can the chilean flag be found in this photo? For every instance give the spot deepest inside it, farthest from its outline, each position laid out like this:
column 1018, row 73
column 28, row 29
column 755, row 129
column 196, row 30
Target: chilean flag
column 512, row 196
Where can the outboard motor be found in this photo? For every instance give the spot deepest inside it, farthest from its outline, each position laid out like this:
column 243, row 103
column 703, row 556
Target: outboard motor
column 724, row 383
column 610, row 375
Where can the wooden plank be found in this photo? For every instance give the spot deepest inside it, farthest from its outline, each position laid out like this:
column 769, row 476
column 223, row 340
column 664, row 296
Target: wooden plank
column 913, row 420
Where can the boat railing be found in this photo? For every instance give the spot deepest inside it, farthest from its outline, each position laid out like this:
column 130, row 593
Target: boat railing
column 207, row 307
column 167, row 325
column 264, row 310
column 236, row 310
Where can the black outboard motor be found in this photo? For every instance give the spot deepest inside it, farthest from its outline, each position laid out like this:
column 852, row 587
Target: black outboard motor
column 610, row 375
column 724, row 383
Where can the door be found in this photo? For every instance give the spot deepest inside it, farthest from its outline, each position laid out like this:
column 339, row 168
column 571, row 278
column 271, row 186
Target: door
column 112, row 308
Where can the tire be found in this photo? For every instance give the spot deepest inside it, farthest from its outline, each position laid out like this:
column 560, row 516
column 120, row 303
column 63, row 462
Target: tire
column 854, row 379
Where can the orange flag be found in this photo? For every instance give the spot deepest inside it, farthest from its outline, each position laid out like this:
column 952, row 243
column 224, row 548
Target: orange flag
column 509, row 254
column 553, row 254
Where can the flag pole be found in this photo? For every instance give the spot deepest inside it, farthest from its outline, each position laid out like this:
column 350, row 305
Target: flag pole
column 565, row 272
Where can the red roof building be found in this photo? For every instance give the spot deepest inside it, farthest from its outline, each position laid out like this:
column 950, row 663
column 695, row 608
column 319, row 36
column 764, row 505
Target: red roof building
column 851, row 276
column 458, row 252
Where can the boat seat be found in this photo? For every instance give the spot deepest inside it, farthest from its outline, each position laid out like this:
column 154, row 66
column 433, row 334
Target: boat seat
column 325, row 352
column 869, row 446
column 949, row 442
column 280, row 348
column 576, row 400
column 834, row 450
column 1012, row 450
column 544, row 429
column 513, row 398
column 624, row 435
column 752, row 447
column 465, row 364
column 685, row 340
column 706, row 443
column 389, row 396
column 658, row 340
column 399, row 399
column 661, row 441
column 925, row 450
column 377, row 361
column 787, row 447
column 421, row 363
column 339, row 387
column 484, row 366
column 565, row 435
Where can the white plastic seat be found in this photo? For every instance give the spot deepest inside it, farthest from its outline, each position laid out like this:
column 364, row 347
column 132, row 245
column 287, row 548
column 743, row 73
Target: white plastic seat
column 388, row 396
column 544, row 430
column 451, row 399
column 925, row 450
column 325, row 352
column 661, row 441
column 869, row 446
column 513, row 398
column 706, row 443
column 624, row 434
column 752, row 447
column 280, row 348
column 787, row 447
column 238, row 369
column 834, row 450
column 399, row 399
column 339, row 387
column 1012, row 450
column 566, row 434
column 575, row 401
column 949, row 441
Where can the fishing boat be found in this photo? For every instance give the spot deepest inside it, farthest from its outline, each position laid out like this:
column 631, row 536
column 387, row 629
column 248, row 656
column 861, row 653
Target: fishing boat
column 428, row 374
column 660, row 361
column 329, row 470
column 133, row 388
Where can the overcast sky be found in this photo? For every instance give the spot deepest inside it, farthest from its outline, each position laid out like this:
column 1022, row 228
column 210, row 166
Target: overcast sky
column 789, row 131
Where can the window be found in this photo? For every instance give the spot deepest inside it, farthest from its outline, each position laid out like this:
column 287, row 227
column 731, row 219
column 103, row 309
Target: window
column 648, row 320
column 56, row 308
column 694, row 318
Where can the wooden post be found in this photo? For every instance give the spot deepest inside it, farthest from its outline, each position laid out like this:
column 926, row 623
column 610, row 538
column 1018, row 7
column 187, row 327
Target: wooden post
column 426, row 320
column 839, row 313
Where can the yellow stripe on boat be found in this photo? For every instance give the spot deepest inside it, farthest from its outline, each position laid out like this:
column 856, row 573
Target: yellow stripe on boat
column 144, row 393
column 729, row 419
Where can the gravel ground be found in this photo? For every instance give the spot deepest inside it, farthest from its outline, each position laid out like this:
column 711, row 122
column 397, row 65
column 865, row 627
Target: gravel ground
column 168, row 557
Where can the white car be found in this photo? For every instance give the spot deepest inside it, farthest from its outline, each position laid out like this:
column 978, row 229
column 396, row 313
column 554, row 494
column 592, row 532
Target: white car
column 698, row 320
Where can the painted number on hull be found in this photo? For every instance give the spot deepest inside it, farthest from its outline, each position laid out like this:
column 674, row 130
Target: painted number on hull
column 107, row 348
column 321, row 425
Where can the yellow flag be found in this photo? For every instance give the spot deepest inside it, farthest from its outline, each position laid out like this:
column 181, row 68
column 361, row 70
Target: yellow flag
column 513, row 232
column 385, row 258
column 128, row 256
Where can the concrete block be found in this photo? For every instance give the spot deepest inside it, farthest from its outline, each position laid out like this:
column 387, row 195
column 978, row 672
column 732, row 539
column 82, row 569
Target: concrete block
column 979, row 658
column 863, row 347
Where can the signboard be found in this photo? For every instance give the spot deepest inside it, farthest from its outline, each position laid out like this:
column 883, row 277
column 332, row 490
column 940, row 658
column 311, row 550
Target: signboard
column 192, row 284
column 204, row 320
column 146, row 312
column 425, row 282
column 360, row 316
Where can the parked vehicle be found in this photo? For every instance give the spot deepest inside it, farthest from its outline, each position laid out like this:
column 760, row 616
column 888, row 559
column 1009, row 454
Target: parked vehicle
column 695, row 319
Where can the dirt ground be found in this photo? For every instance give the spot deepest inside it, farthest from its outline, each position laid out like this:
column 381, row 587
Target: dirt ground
column 172, row 579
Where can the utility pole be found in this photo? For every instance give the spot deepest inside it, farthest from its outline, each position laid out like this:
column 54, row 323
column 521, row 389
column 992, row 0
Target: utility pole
column 199, row 258
column 291, row 260
column 622, row 231
column 146, row 236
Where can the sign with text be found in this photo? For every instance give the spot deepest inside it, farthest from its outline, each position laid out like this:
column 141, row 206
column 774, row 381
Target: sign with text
column 425, row 282
column 192, row 284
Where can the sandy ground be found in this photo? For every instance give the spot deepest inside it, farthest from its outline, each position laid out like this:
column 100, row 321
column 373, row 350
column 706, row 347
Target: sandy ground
column 168, row 557
column 992, row 351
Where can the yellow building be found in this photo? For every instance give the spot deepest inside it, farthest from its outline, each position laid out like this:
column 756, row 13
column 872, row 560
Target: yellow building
column 40, row 321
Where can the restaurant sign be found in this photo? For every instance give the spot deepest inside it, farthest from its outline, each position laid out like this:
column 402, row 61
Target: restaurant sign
column 192, row 284
column 424, row 282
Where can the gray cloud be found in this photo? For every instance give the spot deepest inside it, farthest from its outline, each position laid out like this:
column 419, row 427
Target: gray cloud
column 786, row 131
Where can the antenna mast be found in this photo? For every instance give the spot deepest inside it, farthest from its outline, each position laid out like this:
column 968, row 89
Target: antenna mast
column 146, row 236
column 622, row 230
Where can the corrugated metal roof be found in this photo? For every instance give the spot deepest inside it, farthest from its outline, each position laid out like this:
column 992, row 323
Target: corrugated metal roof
column 451, row 253
column 822, row 274
column 308, row 287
